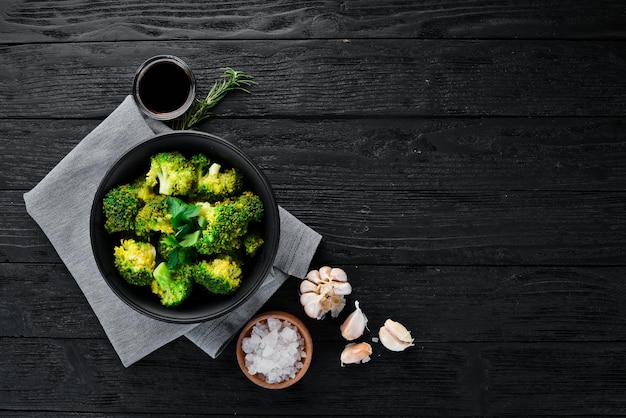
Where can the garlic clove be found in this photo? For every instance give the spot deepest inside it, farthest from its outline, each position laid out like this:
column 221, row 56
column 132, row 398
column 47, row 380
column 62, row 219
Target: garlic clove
column 399, row 331
column 338, row 275
column 314, row 276
column 314, row 310
column 308, row 297
column 324, row 273
column 394, row 336
column 387, row 339
column 342, row 288
column 308, row 286
column 354, row 325
column 312, row 305
column 356, row 353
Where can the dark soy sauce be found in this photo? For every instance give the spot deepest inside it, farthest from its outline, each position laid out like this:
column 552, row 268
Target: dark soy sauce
column 164, row 87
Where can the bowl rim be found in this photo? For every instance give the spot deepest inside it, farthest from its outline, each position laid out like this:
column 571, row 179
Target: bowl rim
column 271, row 214
column 308, row 348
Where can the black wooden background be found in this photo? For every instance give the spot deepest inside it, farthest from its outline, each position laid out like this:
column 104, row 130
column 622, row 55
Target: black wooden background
column 465, row 162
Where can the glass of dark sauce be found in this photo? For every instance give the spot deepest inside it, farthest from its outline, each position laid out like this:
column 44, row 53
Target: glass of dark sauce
column 164, row 87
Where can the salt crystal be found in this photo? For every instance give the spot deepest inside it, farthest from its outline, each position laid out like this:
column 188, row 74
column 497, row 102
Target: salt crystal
column 288, row 334
column 255, row 340
column 268, row 351
column 274, row 350
column 274, row 324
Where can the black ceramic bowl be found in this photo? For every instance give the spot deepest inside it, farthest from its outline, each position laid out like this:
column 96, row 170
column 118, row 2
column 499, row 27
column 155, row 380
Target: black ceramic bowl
column 200, row 306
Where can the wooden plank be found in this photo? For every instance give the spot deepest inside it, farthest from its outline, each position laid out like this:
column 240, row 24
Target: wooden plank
column 539, row 379
column 82, row 20
column 46, row 301
column 439, row 304
column 419, row 228
column 20, row 237
column 380, row 154
column 429, row 379
column 379, row 78
column 84, row 374
column 32, row 147
column 501, row 228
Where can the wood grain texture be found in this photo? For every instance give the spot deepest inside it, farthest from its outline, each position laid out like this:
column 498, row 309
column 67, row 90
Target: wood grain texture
column 466, row 228
column 577, row 378
column 183, row 372
column 440, row 304
column 437, row 379
column 394, row 154
column 82, row 20
column 420, row 228
column 464, row 161
column 331, row 78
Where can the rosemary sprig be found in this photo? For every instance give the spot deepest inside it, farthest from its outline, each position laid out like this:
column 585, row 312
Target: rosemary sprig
column 231, row 80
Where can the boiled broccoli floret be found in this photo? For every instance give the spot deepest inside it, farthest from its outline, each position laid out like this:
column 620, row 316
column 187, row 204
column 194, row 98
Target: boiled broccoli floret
column 172, row 236
column 221, row 230
column 144, row 191
column 154, row 217
column 249, row 206
column 227, row 222
column 220, row 276
column 135, row 261
column 171, row 289
column 120, row 206
column 172, row 172
column 205, row 208
column 252, row 242
column 214, row 183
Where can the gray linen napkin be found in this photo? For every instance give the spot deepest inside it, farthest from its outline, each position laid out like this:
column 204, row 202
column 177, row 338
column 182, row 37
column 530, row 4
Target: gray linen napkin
column 73, row 184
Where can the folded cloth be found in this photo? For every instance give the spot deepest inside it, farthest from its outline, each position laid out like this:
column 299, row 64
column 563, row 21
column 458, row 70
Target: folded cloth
column 61, row 206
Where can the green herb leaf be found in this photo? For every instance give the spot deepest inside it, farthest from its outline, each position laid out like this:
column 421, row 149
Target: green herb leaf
column 187, row 227
column 173, row 259
column 182, row 213
column 230, row 80
column 190, row 239
column 170, row 240
column 186, row 255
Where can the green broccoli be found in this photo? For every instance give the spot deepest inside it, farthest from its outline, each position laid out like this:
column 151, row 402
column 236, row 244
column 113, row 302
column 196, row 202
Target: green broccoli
column 221, row 230
column 220, row 276
column 135, row 260
column 252, row 242
column 144, row 191
column 249, row 206
column 213, row 183
column 227, row 222
column 166, row 237
column 171, row 288
column 205, row 209
column 120, row 206
column 155, row 216
column 172, row 172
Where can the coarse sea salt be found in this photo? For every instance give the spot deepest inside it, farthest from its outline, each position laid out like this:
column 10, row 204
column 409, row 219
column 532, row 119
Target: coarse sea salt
column 274, row 350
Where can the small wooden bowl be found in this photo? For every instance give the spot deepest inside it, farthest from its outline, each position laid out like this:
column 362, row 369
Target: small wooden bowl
column 302, row 330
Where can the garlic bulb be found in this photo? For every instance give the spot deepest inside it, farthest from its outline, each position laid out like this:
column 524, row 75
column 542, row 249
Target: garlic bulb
column 354, row 325
column 323, row 291
column 394, row 336
column 356, row 353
